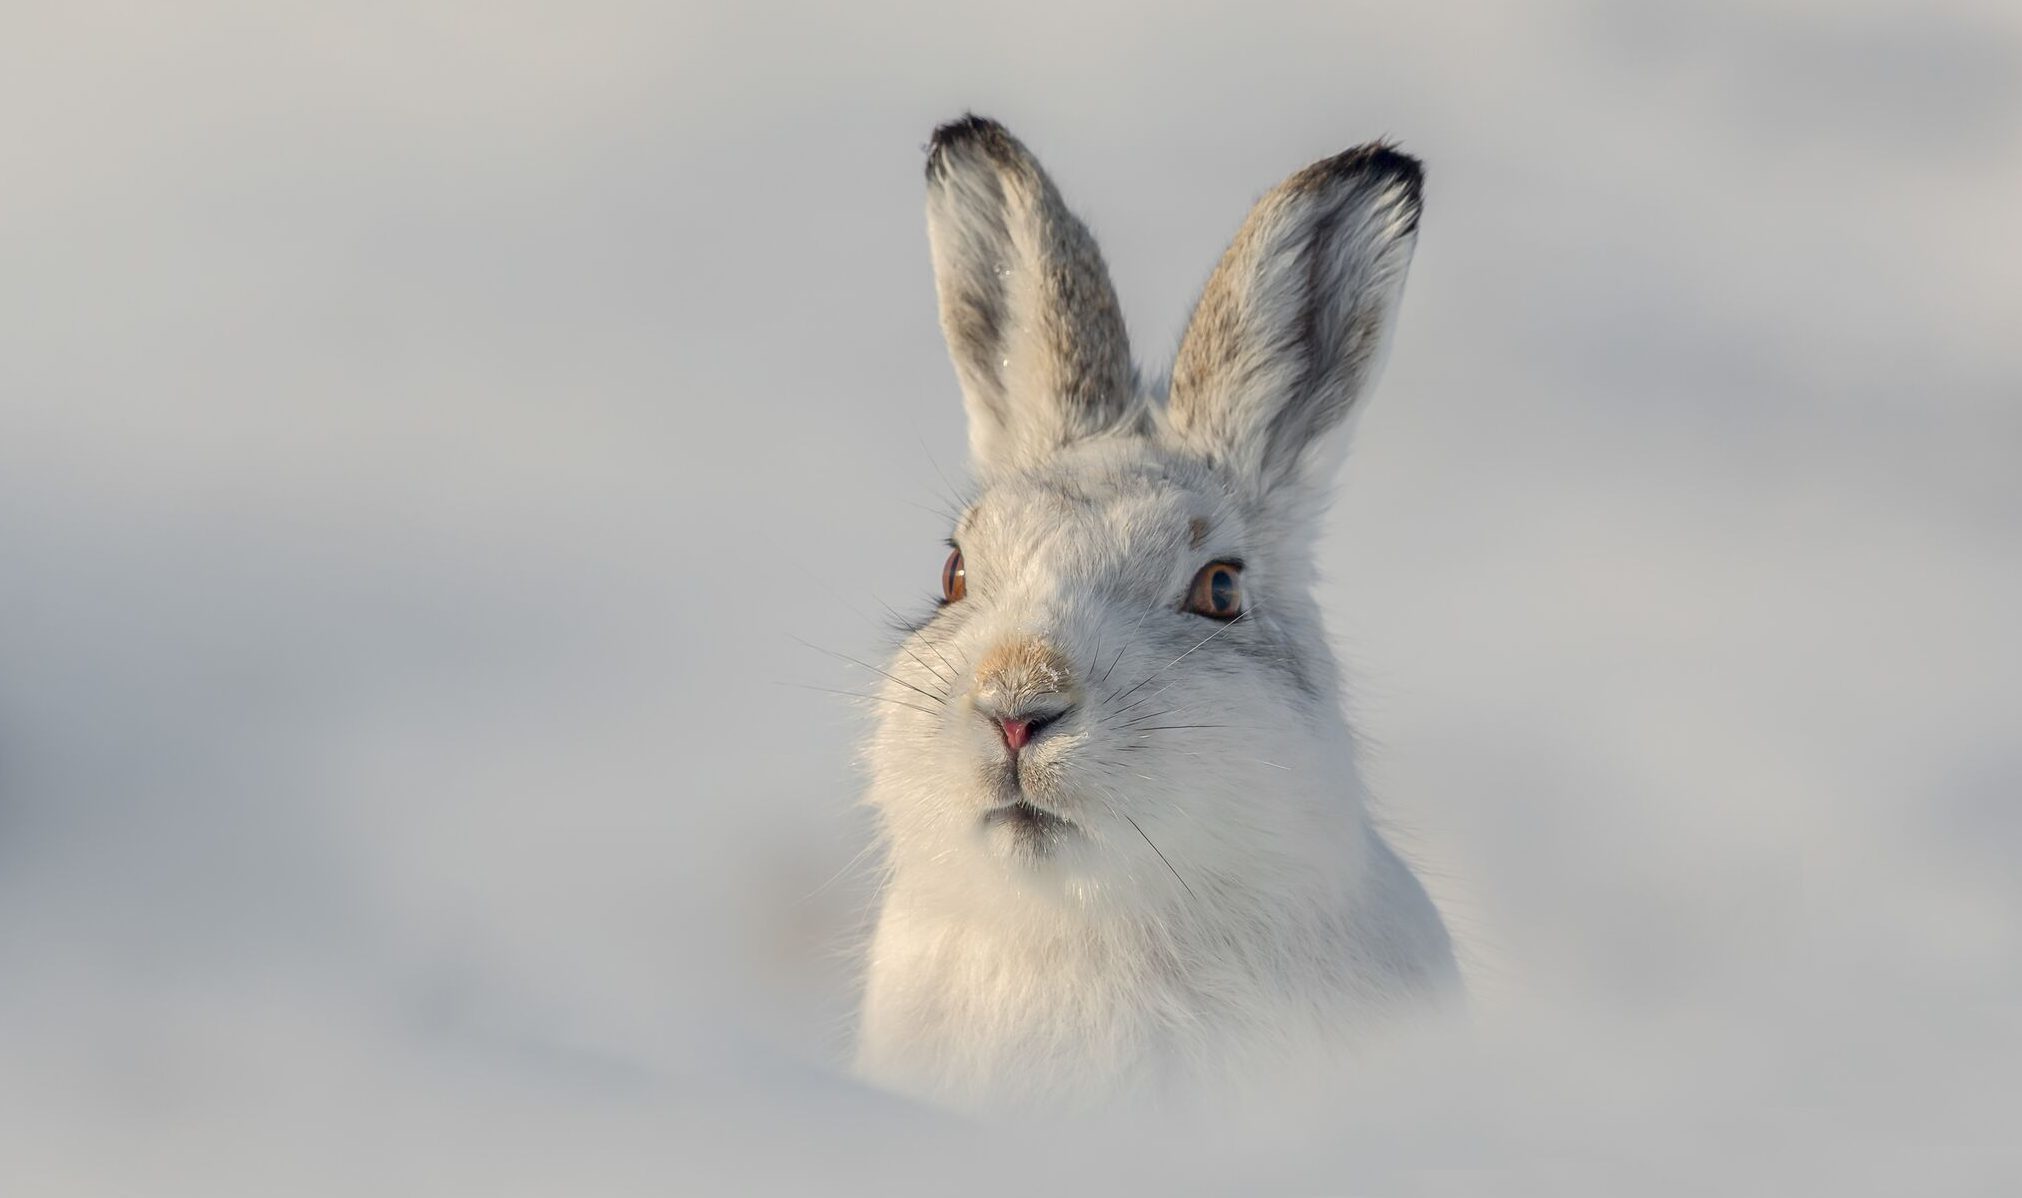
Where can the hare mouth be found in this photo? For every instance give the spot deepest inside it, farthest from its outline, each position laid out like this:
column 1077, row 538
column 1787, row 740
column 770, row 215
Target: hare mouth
column 1023, row 817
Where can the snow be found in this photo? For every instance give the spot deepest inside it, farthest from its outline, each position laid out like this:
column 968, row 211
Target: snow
column 423, row 432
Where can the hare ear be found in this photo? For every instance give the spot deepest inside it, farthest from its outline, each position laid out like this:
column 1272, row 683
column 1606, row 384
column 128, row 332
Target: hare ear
column 1293, row 326
column 1031, row 320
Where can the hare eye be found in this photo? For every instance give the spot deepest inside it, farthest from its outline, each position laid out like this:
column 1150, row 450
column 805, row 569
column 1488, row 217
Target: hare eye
column 1217, row 591
column 954, row 579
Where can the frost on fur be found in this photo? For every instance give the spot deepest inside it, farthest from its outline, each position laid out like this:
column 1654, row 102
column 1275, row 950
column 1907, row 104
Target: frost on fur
column 1126, row 844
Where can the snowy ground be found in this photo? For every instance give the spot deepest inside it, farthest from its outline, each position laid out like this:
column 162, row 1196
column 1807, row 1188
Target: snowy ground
column 421, row 427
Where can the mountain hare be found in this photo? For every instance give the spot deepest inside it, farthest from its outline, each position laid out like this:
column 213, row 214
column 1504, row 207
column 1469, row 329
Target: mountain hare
column 1126, row 845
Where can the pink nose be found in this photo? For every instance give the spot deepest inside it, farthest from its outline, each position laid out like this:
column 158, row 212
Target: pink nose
column 1016, row 733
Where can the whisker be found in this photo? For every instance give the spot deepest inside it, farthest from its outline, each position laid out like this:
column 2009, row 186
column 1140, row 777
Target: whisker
column 859, row 612
column 851, row 864
column 907, row 650
column 1175, row 661
column 874, row 669
column 932, row 646
column 903, row 648
column 829, row 690
column 898, row 619
column 1153, row 695
column 947, row 514
column 1146, row 699
column 1134, row 630
column 932, row 460
column 1161, row 856
column 919, row 631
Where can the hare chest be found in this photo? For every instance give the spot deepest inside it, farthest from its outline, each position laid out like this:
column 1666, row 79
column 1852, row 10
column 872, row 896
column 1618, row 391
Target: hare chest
column 976, row 1017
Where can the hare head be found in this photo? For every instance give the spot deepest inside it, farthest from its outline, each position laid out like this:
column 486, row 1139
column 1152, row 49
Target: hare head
column 1125, row 693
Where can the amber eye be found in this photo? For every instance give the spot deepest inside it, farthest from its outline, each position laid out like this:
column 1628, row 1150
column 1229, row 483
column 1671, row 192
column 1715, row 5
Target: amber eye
column 1217, row 592
column 954, row 579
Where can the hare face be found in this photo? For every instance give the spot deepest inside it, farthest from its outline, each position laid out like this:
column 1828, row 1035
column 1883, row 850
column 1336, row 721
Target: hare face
column 1130, row 659
column 1079, row 724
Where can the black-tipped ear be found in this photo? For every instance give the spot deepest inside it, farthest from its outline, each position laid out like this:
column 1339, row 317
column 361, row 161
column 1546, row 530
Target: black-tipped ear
column 1292, row 328
column 1031, row 320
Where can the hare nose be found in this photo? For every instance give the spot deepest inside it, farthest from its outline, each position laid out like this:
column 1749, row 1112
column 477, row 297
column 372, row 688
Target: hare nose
column 1019, row 730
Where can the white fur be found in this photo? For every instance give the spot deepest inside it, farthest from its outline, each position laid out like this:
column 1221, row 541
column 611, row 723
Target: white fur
column 1270, row 931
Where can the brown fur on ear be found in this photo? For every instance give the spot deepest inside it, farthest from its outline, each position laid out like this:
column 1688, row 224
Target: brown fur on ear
column 1027, row 308
column 1291, row 329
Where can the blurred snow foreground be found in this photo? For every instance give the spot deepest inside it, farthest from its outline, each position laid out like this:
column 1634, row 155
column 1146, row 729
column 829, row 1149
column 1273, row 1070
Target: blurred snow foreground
column 420, row 427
